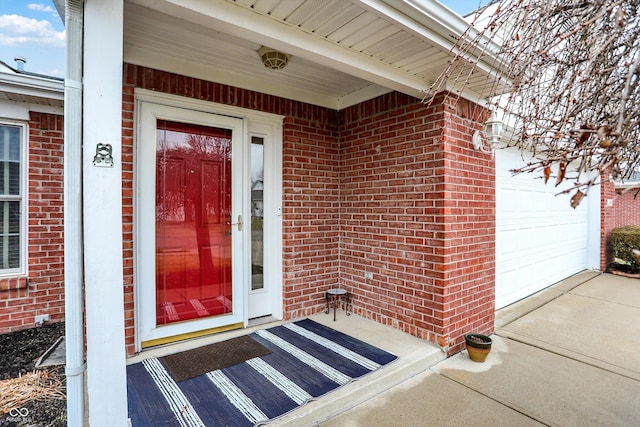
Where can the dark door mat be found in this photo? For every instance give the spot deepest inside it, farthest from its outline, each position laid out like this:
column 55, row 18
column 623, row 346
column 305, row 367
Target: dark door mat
column 199, row 361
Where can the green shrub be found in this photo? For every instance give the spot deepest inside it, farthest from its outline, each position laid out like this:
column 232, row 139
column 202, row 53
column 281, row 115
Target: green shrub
column 623, row 241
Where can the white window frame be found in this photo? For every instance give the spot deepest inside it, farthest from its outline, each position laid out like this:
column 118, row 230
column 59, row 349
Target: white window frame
column 23, row 198
column 633, row 182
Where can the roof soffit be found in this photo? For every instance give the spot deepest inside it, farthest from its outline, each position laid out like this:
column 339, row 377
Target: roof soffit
column 30, row 89
column 371, row 46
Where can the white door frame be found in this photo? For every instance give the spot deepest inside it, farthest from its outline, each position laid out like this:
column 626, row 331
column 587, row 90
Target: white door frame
column 254, row 123
column 268, row 301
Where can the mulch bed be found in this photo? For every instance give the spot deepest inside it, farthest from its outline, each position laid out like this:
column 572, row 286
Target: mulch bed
column 28, row 396
column 623, row 270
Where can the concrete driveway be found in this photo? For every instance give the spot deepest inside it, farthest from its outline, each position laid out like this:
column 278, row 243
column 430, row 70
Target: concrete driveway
column 568, row 356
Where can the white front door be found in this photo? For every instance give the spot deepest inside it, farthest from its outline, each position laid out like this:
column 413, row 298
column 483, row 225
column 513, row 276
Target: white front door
column 207, row 206
column 191, row 222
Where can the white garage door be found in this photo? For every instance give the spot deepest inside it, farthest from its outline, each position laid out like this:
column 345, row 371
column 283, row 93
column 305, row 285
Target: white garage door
column 540, row 239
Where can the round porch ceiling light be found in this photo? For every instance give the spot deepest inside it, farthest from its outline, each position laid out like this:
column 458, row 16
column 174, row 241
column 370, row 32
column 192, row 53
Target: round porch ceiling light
column 272, row 58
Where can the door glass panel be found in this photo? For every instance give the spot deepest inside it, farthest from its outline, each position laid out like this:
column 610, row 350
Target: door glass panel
column 193, row 211
column 257, row 209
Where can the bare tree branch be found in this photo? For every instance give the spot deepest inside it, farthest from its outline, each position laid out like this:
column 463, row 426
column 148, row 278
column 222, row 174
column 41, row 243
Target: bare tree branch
column 573, row 68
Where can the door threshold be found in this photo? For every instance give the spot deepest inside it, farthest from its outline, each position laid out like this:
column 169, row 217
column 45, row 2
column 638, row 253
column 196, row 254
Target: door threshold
column 184, row 337
column 262, row 320
column 188, row 344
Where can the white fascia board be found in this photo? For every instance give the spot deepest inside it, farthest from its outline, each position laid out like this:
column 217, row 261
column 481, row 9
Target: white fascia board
column 426, row 19
column 46, row 109
column 20, row 110
column 467, row 93
column 432, row 21
column 243, row 23
column 60, row 8
column 32, row 86
column 359, row 96
column 626, row 184
column 14, row 111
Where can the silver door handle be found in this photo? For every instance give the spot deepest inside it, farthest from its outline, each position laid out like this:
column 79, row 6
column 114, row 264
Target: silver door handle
column 239, row 223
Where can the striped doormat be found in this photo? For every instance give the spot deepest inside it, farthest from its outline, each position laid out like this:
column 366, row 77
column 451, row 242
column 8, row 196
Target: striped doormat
column 307, row 360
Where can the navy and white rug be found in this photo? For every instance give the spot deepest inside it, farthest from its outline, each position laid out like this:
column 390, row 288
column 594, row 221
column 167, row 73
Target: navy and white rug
column 307, row 360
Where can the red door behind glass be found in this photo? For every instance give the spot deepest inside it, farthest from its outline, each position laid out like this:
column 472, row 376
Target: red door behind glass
column 193, row 209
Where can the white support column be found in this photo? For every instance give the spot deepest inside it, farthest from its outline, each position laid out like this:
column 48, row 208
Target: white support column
column 102, row 214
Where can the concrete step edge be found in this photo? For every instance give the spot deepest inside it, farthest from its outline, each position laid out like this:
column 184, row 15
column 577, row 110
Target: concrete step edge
column 361, row 390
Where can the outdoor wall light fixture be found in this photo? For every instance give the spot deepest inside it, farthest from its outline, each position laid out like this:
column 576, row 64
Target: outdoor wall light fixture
column 493, row 130
column 272, row 58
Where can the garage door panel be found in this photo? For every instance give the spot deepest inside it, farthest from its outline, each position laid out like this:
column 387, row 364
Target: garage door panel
column 510, row 242
column 540, row 239
column 564, row 253
column 522, row 281
column 517, row 284
column 510, row 200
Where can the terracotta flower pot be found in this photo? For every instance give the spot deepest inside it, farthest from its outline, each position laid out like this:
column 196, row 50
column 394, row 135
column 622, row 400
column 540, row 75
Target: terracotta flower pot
column 478, row 346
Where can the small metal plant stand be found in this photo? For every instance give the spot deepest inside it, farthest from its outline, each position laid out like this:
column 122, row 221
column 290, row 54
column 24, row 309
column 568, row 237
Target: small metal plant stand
column 335, row 295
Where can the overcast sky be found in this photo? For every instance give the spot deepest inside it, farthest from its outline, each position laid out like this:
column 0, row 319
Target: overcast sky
column 34, row 31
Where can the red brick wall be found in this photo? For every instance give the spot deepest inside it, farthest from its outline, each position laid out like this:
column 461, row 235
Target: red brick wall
column 380, row 187
column 42, row 291
column 310, row 186
column 388, row 213
column 607, row 219
column 128, row 103
column 469, row 217
column 625, row 210
column 417, row 212
column 310, row 214
column 626, row 206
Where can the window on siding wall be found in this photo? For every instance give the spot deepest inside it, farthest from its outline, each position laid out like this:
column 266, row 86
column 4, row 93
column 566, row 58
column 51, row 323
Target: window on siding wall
column 633, row 181
column 12, row 245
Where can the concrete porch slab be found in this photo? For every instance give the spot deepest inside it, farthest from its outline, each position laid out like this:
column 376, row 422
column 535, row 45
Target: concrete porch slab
column 384, row 337
column 539, row 377
column 414, row 357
